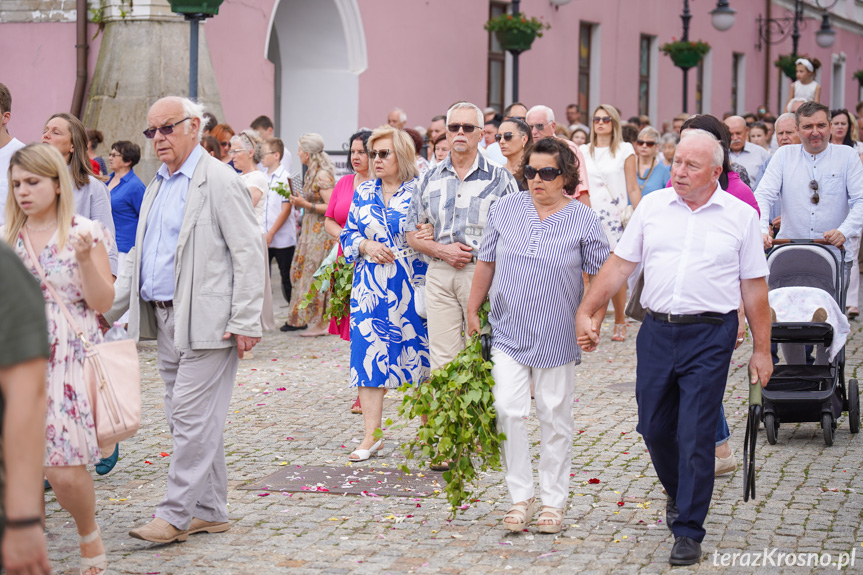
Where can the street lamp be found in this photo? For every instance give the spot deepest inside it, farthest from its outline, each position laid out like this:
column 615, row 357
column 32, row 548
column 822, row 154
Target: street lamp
column 722, row 18
column 195, row 11
column 825, row 36
column 775, row 30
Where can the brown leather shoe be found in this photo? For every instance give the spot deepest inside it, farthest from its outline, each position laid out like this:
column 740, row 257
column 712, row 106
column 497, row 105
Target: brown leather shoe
column 159, row 531
column 201, row 526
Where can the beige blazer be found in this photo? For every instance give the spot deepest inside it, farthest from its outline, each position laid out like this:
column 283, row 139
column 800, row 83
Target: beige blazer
column 218, row 285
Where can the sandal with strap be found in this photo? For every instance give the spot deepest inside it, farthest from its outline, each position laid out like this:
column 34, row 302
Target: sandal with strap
column 356, row 408
column 619, row 332
column 99, row 562
column 553, row 514
column 522, row 512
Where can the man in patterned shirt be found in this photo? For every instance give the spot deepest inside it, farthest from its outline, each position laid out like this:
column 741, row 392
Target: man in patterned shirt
column 454, row 199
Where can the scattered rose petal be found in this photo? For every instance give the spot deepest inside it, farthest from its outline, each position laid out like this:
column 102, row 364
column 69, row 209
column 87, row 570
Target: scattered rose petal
column 593, row 480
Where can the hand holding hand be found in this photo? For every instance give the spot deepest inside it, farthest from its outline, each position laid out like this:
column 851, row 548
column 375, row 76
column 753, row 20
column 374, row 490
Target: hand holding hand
column 244, row 343
column 587, row 331
column 457, row 255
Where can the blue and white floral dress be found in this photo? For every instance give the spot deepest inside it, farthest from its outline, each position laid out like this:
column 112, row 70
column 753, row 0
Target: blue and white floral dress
column 389, row 340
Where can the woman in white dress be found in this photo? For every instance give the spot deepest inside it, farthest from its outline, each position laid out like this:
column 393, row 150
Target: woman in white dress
column 613, row 188
column 246, row 152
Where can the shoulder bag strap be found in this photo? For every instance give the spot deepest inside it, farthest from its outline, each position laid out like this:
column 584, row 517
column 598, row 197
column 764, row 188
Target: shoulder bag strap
column 77, row 328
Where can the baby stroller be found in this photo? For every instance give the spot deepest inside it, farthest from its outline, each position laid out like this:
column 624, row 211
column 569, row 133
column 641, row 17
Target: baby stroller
column 800, row 392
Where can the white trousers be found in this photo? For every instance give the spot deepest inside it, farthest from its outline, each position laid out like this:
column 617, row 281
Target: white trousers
column 553, row 390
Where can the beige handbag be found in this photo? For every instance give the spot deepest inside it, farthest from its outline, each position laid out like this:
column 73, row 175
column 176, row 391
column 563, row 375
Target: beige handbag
column 112, row 375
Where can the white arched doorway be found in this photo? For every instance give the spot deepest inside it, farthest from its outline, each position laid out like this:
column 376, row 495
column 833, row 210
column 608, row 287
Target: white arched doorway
column 319, row 51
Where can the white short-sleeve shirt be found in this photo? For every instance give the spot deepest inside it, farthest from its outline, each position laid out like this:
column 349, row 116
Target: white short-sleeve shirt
column 693, row 260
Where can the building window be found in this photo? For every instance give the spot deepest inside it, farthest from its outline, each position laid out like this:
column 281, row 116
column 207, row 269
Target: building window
column 496, row 63
column 644, row 75
column 585, row 39
column 699, row 87
column 736, row 82
column 837, row 85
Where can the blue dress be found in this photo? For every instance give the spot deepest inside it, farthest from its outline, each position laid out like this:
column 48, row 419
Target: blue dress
column 389, row 340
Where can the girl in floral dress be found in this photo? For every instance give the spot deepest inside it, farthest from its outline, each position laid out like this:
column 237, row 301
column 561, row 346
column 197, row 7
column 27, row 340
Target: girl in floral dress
column 73, row 252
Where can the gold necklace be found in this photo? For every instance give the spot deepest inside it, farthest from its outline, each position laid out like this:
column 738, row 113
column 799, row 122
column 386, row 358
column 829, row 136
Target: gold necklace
column 48, row 226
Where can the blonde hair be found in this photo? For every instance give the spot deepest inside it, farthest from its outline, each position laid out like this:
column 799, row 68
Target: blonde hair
column 616, row 133
column 319, row 160
column 403, row 146
column 45, row 161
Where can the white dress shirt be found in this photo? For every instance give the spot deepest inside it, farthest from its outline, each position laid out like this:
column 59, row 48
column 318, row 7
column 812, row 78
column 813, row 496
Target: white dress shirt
column 839, row 174
column 286, row 236
column 751, row 157
column 693, row 260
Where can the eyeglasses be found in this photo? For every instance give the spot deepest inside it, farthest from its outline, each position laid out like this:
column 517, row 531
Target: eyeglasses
column 643, row 143
column 603, row 119
column 468, row 128
column 813, row 185
column 382, row 154
column 505, row 137
column 150, row 133
column 225, row 144
column 545, row 174
column 235, row 152
column 115, row 155
column 539, row 127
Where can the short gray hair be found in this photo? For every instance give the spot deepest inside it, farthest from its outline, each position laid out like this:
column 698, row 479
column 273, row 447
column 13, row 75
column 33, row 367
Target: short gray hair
column 403, row 117
column 649, row 132
column 549, row 113
column 251, row 142
column 194, row 110
column 786, row 116
column 792, row 101
column 718, row 151
column 480, row 117
column 670, row 138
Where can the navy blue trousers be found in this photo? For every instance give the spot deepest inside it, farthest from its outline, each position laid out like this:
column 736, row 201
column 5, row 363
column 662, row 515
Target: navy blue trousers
column 680, row 380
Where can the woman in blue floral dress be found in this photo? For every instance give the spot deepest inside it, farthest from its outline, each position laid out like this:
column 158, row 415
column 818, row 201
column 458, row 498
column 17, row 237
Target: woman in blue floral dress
column 389, row 340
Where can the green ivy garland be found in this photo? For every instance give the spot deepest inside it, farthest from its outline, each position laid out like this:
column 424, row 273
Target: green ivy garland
column 461, row 428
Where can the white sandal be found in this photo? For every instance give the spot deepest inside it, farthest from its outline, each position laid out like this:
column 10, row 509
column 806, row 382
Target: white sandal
column 523, row 512
column 99, row 562
column 364, row 454
column 553, row 514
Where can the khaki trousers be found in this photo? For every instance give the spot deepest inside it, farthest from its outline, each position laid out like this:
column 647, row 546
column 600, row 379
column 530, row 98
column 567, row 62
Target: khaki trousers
column 447, row 292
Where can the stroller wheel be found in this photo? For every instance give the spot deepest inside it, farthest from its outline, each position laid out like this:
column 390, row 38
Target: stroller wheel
column 827, row 428
column 771, row 428
column 853, row 406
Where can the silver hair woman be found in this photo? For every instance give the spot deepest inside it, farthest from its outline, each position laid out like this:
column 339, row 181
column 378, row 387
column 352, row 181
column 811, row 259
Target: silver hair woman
column 314, row 242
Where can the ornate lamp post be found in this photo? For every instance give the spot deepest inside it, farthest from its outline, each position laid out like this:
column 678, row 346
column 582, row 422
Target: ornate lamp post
column 775, row 30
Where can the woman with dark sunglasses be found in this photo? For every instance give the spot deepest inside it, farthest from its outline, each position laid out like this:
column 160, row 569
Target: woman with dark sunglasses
column 613, row 188
column 651, row 173
column 514, row 136
column 541, row 240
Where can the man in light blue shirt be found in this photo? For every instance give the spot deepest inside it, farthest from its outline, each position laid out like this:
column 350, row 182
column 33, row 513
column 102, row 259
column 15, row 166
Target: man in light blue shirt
column 819, row 185
column 744, row 152
column 163, row 230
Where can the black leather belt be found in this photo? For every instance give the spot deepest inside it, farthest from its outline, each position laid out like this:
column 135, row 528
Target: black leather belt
column 472, row 260
column 707, row 317
column 163, row 304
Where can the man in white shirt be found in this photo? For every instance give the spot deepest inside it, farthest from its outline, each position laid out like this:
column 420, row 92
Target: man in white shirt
column 279, row 218
column 701, row 250
column 8, row 146
column 744, row 152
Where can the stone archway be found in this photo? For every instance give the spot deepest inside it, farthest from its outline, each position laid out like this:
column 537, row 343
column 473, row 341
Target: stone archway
column 319, row 50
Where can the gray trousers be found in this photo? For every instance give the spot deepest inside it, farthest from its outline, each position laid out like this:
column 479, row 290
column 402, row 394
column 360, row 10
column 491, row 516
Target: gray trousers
column 198, row 386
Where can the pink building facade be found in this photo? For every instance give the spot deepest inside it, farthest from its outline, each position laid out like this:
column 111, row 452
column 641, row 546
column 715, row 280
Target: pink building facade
column 331, row 66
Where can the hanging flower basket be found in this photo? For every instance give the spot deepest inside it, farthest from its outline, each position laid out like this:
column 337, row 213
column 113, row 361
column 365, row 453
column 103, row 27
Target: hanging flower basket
column 685, row 54
column 516, row 33
column 858, row 75
column 788, row 65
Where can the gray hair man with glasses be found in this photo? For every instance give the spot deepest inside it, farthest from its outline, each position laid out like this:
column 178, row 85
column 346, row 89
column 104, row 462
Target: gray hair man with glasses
column 542, row 125
column 193, row 283
column 448, row 214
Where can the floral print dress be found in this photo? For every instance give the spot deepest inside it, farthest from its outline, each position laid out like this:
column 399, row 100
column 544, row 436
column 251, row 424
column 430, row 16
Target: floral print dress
column 389, row 340
column 70, row 434
column 313, row 245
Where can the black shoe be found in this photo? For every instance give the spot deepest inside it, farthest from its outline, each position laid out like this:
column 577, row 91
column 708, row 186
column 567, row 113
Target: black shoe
column 671, row 512
column 287, row 327
column 686, row 551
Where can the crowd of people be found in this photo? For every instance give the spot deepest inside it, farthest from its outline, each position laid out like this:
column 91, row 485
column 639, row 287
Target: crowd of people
column 549, row 222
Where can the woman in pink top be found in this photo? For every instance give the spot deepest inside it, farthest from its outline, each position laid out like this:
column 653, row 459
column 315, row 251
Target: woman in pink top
column 337, row 215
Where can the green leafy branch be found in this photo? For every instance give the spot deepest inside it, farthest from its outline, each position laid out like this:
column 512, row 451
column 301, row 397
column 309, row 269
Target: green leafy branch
column 338, row 278
column 461, row 429
column 282, row 189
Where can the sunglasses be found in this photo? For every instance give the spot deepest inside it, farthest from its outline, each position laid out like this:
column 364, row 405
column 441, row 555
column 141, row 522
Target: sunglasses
column 643, row 143
column 382, row 154
column 603, row 120
column 468, row 128
column 506, row 137
column 813, row 185
column 150, row 133
column 539, row 127
column 545, row 174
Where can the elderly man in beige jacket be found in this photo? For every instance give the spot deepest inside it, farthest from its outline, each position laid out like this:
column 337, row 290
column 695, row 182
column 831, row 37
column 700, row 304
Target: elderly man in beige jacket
column 193, row 282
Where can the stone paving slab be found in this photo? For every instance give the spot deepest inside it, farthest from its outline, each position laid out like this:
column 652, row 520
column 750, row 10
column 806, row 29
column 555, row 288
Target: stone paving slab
column 291, row 404
column 361, row 478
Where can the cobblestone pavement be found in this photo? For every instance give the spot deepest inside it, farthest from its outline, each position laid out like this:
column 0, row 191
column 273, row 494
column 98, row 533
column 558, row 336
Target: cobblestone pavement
column 290, row 407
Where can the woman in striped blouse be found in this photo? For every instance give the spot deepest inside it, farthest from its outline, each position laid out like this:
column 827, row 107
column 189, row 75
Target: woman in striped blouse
column 535, row 246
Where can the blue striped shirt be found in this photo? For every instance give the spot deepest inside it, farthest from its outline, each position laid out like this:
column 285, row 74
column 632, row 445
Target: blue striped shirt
column 537, row 283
